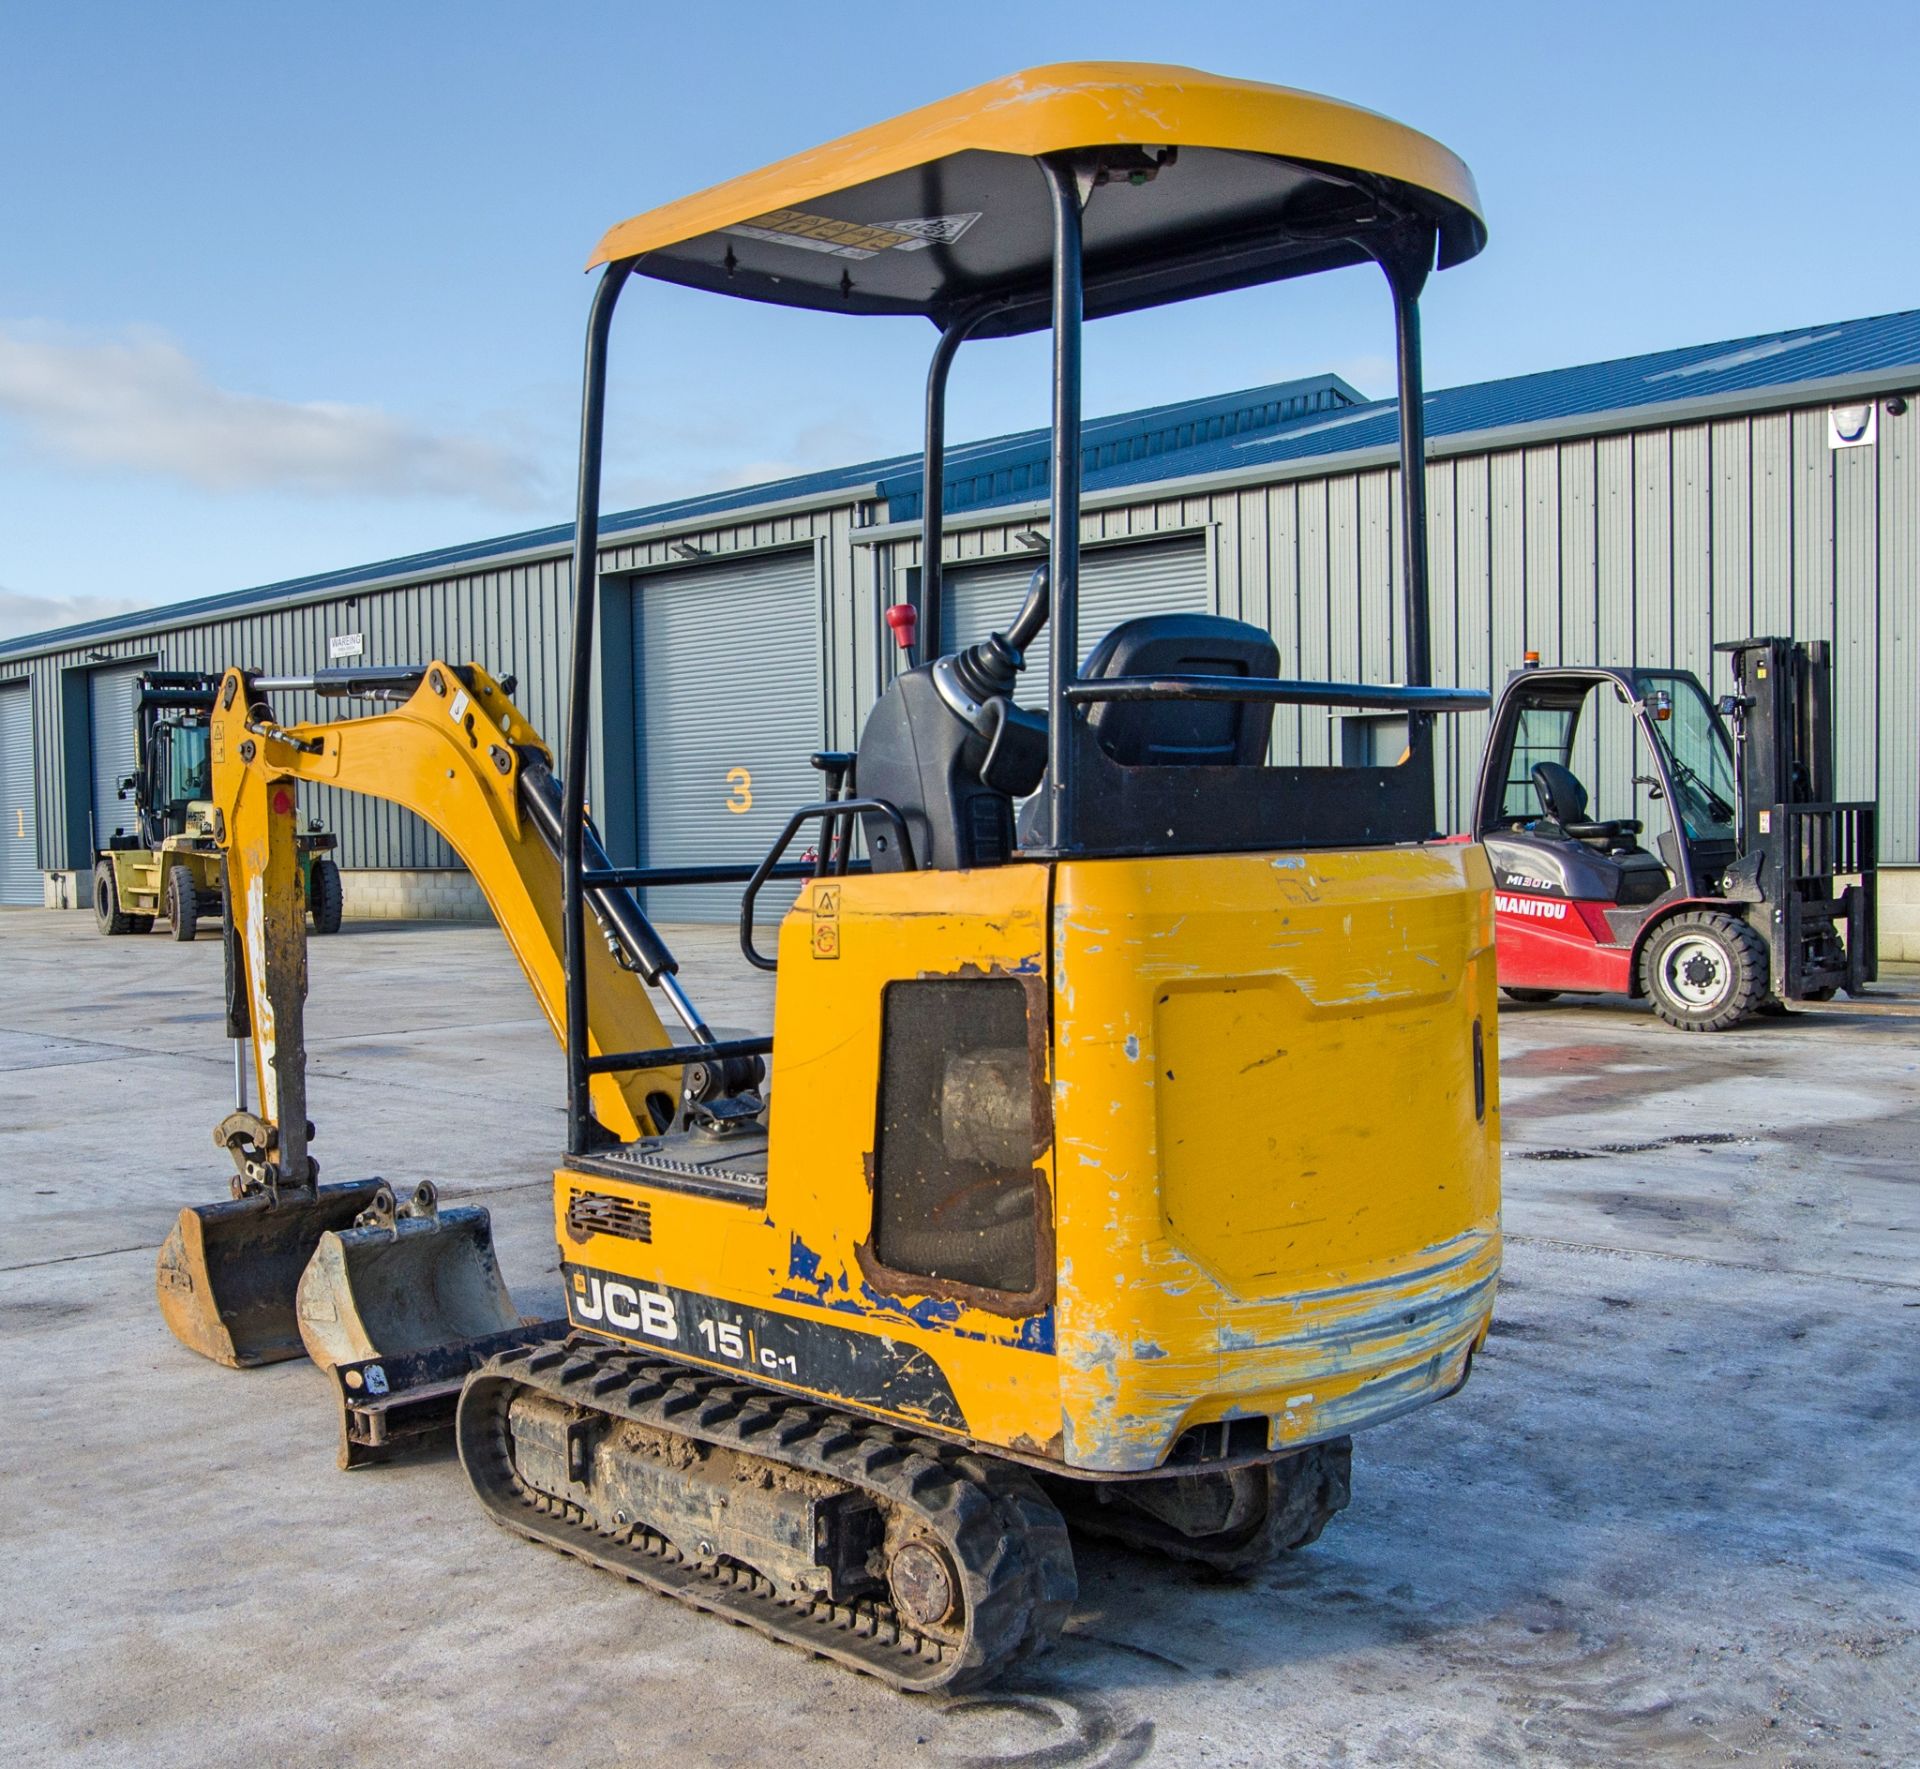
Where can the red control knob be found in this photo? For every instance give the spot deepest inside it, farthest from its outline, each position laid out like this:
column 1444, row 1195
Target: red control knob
column 904, row 618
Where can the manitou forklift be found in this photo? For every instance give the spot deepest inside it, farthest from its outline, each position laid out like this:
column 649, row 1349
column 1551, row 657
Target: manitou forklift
column 1739, row 907
column 169, row 864
column 1111, row 1166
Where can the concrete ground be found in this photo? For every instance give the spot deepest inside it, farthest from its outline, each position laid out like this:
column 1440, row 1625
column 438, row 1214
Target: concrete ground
column 1671, row 1518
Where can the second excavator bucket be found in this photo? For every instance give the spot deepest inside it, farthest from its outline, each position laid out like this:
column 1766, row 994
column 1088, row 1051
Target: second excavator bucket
column 228, row 1272
column 398, row 1308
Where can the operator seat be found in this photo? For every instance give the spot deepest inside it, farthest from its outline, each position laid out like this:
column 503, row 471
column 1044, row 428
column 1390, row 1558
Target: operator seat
column 1602, row 864
column 1564, row 800
column 1183, row 733
column 1174, row 733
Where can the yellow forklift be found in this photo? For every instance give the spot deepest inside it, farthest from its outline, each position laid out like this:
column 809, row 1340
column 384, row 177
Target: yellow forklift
column 1109, row 1164
column 169, row 865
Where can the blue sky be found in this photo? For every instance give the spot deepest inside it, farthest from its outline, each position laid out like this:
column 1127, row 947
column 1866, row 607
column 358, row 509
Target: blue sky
column 284, row 289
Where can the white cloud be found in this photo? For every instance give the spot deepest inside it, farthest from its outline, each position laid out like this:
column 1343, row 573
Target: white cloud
column 139, row 401
column 706, row 453
column 21, row 613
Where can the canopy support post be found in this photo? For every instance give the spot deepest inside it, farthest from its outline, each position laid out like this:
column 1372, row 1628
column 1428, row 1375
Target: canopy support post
column 1406, row 273
column 1063, row 568
column 934, row 469
column 573, row 812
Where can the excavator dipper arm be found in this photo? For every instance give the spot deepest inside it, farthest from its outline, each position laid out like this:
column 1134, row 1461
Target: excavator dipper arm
column 460, row 755
column 388, row 1293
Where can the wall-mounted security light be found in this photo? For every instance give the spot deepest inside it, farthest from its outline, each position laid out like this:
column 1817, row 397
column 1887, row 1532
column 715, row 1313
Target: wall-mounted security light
column 1032, row 539
column 687, row 550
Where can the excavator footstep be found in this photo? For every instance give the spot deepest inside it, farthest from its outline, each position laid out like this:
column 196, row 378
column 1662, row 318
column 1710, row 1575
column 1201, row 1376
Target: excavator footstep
column 228, row 1272
column 398, row 1309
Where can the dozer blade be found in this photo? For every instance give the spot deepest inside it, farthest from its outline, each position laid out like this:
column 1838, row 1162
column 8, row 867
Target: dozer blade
column 228, row 1272
column 398, row 1309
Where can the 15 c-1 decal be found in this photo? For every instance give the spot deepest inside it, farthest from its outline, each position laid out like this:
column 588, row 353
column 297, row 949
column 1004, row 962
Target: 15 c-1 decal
column 781, row 1349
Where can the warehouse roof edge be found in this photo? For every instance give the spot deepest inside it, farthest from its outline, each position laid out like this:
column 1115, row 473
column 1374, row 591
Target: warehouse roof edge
column 1277, row 431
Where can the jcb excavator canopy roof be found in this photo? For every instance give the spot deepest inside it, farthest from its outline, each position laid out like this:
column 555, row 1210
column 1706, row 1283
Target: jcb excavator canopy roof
column 944, row 205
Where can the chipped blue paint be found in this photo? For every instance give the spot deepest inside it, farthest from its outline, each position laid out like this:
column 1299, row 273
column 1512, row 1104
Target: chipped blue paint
column 812, row 1285
column 1133, row 1047
column 1036, row 1333
column 803, row 1263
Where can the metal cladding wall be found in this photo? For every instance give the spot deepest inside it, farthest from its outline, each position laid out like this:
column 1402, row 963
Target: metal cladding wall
column 504, row 618
column 19, row 838
column 1116, row 583
column 1647, row 545
column 1657, row 545
column 1600, row 541
column 515, row 618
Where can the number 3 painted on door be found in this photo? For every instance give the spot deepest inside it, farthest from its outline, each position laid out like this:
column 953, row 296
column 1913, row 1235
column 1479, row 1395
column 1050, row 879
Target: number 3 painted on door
column 740, row 798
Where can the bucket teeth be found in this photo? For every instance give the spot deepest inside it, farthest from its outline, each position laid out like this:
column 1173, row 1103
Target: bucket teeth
column 228, row 1272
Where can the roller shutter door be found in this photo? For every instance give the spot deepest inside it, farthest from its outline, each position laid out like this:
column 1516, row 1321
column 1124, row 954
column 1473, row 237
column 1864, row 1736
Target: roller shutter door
column 726, row 675
column 110, row 693
column 19, row 844
column 1116, row 583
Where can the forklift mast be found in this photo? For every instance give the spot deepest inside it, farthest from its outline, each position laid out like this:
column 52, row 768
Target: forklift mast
column 1782, row 720
column 1795, row 839
column 169, row 701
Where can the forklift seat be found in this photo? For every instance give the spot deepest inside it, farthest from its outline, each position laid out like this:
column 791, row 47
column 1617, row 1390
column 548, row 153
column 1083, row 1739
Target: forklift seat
column 1564, row 800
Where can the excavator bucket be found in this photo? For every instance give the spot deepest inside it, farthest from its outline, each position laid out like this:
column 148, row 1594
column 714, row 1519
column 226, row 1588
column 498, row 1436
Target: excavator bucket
column 228, row 1272
column 398, row 1308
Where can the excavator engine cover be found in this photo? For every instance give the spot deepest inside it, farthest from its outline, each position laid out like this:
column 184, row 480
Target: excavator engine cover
column 228, row 1271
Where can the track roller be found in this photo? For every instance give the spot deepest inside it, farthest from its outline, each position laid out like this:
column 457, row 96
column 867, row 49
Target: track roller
column 916, row 1562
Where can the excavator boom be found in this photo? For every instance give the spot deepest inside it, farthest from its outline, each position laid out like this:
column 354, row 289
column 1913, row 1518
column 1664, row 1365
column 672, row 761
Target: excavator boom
column 383, row 1288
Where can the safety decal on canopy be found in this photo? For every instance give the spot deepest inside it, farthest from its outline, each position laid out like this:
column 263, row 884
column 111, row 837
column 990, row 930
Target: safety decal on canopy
column 854, row 239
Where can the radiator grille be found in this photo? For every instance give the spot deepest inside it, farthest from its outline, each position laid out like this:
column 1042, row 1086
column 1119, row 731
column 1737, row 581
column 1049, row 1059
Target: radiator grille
column 595, row 1213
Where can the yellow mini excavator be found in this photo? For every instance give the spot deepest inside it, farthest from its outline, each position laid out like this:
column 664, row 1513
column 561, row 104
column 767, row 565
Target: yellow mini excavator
column 1127, row 1135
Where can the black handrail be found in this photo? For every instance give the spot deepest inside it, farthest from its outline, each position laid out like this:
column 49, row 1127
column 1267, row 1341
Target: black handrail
column 654, row 878
column 1377, row 696
column 831, row 808
column 673, row 1056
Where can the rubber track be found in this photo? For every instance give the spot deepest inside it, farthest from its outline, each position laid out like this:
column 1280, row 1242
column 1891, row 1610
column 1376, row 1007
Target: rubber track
column 1001, row 1532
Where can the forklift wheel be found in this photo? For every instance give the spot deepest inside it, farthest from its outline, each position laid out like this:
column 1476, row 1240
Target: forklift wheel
column 1704, row 971
column 107, row 913
column 325, row 898
column 1530, row 996
column 183, row 906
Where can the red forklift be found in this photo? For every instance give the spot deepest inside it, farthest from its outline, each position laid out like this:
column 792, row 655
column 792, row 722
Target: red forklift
column 1738, row 907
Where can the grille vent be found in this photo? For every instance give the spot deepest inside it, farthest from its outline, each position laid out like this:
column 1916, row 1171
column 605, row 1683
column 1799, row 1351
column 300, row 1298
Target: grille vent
column 595, row 1213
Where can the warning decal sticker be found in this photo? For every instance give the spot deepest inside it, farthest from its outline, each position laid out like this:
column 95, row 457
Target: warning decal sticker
column 853, row 239
column 826, row 921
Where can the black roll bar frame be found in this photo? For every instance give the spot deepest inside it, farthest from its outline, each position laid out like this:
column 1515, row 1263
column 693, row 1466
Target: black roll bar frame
column 1406, row 257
